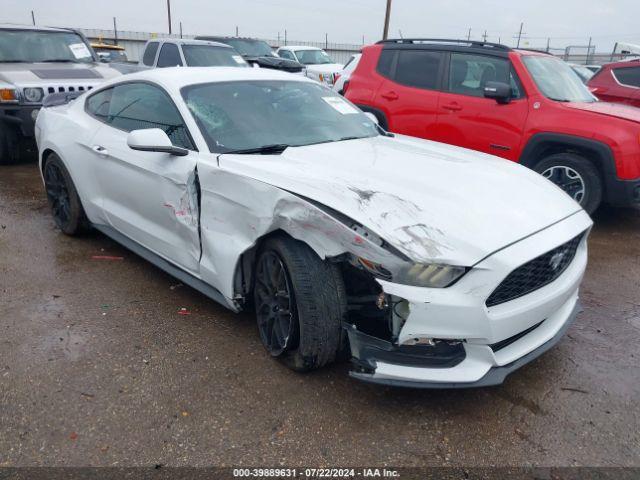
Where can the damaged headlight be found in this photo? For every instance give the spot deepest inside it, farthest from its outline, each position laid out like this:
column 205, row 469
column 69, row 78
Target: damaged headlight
column 429, row 275
column 416, row 275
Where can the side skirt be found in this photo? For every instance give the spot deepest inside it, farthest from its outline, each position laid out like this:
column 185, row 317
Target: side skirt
column 162, row 264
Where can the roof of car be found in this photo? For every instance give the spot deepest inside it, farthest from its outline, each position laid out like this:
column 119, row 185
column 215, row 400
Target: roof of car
column 189, row 41
column 13, row 26
column 629, row 62
column 223, row 38
column 298, row 47
column 175, row 78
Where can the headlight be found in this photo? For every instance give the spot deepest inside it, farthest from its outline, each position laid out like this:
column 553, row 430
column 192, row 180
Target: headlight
column 33, row 95
column 8, row 95
column 429, row 275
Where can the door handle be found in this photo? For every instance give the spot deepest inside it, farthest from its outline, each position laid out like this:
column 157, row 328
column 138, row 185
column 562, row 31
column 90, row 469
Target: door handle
column 453, row 107
column 100, row 150
column 390, row 95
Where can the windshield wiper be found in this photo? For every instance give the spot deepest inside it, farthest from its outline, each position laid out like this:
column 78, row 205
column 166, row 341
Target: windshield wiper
column 14, row 61
column 276, row 148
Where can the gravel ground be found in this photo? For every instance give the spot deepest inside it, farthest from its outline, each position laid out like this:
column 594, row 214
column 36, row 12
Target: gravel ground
column 97, row 367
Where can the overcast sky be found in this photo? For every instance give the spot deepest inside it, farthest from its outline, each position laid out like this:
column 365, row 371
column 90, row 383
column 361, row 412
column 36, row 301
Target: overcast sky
column 567, row 22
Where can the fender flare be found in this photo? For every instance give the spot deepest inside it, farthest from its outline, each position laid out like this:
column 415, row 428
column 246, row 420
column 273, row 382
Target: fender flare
column 382, row 118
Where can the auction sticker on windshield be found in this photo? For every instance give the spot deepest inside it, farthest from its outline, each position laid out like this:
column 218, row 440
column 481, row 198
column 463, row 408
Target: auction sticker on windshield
column 340, row 105
column 79, row 50
column 238, row 59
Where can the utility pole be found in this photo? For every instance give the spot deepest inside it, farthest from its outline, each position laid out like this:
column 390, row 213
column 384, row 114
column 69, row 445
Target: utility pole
column 33, row 17
column 326, row 41
column 115, row 31
column 548, row 44
column 520, row 33
column 237, row 31
column 588, row 52
column 387, row 16
column 469, row 35
column 484, row 37
column 180, row 29
column 169, row 14
column 285, row 37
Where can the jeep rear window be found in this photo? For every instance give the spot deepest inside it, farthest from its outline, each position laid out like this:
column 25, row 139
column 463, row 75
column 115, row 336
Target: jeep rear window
column 418, row 68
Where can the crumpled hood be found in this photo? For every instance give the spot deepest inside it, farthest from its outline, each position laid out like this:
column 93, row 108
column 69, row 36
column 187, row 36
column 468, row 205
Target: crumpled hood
column 434, row 202
column 33, row 73
column 626, row 112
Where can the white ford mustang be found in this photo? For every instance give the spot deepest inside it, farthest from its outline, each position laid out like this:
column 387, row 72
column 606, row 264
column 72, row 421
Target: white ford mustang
column 432, row 265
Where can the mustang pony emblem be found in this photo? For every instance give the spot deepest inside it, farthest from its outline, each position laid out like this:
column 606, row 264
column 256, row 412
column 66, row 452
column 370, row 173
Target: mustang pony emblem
column 556, row 260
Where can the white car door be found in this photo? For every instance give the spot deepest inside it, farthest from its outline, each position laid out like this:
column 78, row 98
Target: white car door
column 150, row 197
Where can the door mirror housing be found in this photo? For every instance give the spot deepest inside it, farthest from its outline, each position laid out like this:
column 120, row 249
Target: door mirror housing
column 499, row 91
column 154, row 140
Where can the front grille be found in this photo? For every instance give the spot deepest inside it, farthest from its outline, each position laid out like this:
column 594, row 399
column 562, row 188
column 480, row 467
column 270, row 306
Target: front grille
column 535, row 274
column 67, row 88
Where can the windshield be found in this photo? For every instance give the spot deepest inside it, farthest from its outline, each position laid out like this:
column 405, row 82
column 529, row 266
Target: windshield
column 111, row 55
column 313, row 57
column 252, row 114
column 250, row 48
column 42, row 46
column 557, row 80
column 210, row 56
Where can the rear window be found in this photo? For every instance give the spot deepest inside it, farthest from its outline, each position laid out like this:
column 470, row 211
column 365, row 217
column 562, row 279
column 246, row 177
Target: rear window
column 150, row 54
column 385, row 61
column 418, row 69
column 628, row 76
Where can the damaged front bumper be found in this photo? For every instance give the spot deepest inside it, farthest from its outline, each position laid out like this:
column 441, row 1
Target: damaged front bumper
column 450, row 338
column 374, row 361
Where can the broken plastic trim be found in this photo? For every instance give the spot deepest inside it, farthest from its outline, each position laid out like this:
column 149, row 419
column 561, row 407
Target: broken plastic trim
column 366, row 350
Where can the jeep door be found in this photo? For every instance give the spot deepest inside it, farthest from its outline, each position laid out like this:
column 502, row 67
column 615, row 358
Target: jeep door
column 467, row 119
column 409, row 92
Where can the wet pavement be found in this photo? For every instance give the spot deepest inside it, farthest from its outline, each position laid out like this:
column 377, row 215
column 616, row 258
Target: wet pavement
column 98, row 367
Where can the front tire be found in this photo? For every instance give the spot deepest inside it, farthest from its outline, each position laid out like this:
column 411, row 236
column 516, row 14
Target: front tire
column 63, row 199
column 300, row 302
column 576, row 175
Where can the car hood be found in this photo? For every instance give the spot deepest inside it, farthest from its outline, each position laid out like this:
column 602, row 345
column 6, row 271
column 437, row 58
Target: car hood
column 434, row 202
column 325, row 68
column 275, row 63
column 618, row 110
column 36, row 73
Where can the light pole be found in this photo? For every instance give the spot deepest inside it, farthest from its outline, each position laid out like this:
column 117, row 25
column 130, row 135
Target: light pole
column 169, row 14
column 385, row 33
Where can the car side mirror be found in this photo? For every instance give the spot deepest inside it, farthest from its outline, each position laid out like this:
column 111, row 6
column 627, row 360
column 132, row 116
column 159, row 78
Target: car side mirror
column 372, row 117
column 153, row 140
column 499, row 91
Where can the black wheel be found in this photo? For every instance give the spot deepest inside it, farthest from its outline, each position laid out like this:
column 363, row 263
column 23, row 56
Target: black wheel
column 9, row 147
column 576, row 176
column 300, row 302
column 63, row 198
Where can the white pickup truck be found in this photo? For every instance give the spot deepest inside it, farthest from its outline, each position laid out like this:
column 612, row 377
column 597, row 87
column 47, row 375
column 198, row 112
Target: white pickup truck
column 183, row 53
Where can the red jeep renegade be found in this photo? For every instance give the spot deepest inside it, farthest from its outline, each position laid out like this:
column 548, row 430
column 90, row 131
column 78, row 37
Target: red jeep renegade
column 525, row 106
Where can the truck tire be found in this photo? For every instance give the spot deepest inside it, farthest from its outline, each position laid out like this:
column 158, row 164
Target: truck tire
column 9, row 147
column 63, row 199
column 576, row 175
column 300, row 302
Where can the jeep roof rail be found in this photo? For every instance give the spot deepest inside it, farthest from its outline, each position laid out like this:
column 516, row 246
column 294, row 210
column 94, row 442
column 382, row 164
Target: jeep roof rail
column 471, row 43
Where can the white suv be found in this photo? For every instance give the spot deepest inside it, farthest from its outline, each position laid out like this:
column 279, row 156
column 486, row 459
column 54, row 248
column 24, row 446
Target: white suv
column 320, row 66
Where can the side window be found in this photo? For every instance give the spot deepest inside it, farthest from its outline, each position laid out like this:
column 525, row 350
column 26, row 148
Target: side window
column 150, row 54
column 136, row 106
column 418, row 68
column 628, row 76
column 98, row 105
column 169, row 56
column 286, row 54
column 469, row 74
column 385, row 62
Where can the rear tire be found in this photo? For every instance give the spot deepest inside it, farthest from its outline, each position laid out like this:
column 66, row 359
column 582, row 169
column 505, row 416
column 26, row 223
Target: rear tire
column 576, row 175
column 300, row 302
column 63, row 199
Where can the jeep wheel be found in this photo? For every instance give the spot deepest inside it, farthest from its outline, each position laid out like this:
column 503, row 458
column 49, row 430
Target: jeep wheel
column 576, row 176
column 63, row 199
column 300, row 302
